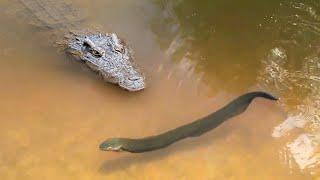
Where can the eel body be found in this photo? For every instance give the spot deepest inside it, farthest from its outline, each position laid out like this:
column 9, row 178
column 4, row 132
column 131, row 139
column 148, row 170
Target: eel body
column 194, row 129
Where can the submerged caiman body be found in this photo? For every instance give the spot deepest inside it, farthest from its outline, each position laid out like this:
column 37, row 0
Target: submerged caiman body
column 104, row 53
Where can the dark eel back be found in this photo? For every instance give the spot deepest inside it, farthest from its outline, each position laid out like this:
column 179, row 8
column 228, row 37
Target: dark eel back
column 194, row 129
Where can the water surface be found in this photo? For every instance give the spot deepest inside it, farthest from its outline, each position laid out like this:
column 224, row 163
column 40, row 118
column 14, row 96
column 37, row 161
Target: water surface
column 197, row 56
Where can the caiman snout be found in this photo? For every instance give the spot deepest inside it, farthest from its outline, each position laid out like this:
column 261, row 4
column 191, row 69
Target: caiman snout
column 133, row 83
column 110, row 56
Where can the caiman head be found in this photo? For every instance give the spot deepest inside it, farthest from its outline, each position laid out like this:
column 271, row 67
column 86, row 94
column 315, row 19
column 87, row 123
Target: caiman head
column 110, row 56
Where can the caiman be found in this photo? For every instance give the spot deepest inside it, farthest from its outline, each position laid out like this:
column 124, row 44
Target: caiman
column 104, row 53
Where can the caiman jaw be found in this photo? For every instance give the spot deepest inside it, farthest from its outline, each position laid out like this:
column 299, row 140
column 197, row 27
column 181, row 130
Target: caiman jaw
column 108, row 55
column 134, row 83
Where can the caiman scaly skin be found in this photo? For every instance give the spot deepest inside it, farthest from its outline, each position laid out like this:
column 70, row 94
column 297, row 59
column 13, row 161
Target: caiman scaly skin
column 104, row 53
column 109, row 56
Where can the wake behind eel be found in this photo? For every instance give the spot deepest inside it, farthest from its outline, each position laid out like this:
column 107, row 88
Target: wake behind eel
column 194, row 129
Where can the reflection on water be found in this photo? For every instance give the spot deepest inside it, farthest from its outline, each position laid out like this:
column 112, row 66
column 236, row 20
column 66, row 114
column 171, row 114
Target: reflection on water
column 291, row 69
column 197, row 57
column 285, row 35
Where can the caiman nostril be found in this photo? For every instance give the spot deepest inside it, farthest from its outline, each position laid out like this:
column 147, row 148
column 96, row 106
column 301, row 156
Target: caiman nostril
column 133, row 78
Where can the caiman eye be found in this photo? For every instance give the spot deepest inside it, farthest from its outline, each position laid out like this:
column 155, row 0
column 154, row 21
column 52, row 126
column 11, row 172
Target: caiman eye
column 94, row 52
column 86, row 45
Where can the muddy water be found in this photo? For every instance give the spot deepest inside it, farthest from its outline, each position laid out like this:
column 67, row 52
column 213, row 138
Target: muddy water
column 197, row 57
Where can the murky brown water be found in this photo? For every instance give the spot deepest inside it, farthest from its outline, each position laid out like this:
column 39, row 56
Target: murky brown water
column 197, row 57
